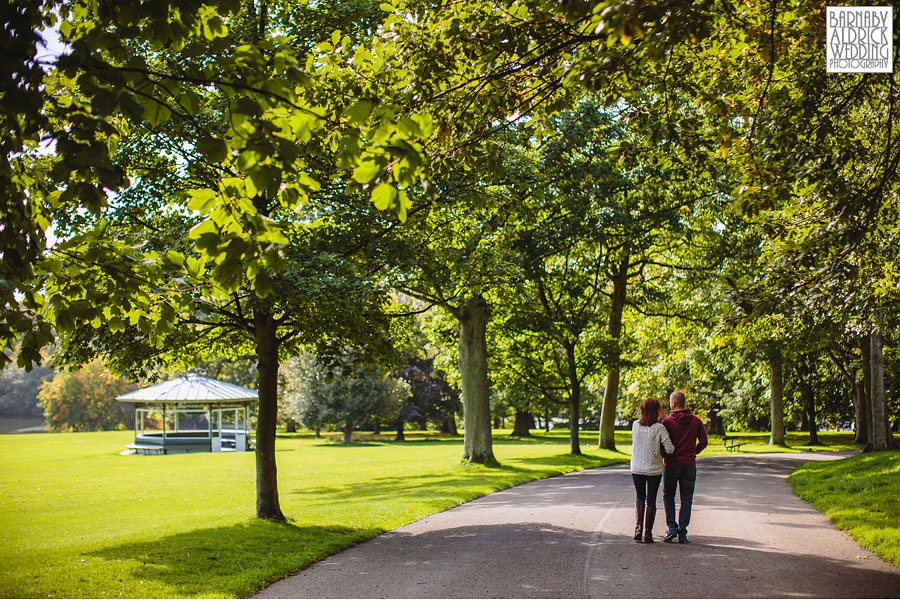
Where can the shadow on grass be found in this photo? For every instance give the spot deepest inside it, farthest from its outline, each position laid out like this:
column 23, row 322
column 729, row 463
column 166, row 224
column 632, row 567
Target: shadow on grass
column 231, row 561
column 466, row 482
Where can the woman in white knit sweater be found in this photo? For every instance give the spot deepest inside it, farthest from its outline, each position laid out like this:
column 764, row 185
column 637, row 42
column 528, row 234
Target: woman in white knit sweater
column 648, row 438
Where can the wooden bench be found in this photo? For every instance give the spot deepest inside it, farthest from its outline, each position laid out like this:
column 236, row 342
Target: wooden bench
column 731, row 444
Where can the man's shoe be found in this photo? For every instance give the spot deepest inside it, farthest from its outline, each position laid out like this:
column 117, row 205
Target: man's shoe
column 683, row 539
column 670, row 536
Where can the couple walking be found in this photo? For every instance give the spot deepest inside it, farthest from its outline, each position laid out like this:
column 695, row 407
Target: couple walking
column 665, row 447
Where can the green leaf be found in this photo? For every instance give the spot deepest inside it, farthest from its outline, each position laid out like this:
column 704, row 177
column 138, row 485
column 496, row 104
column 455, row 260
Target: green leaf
column 116, row 324
column 262, row 284
column 383, row 196
column 366, row 172
column 204, row 227
column 358, row 112
column 213, row 149
column 202, row 199
column 214, row 28
column 156, row 112
column 191, row 102
column 193, row 266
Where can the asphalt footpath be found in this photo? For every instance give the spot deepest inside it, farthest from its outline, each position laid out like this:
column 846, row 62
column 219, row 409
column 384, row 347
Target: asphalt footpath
column 571, row 537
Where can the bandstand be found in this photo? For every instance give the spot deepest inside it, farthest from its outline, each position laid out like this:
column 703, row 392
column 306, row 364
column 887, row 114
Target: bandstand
column 192, row 413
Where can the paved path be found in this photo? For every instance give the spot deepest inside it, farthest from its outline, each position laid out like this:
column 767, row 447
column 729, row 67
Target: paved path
column 570, row 537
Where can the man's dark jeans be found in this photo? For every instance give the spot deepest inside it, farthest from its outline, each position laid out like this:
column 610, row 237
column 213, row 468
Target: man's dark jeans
column 684, row 477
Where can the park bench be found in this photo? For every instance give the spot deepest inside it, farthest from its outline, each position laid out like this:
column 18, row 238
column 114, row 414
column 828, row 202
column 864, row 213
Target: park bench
column 731, row 443
column 146, row 449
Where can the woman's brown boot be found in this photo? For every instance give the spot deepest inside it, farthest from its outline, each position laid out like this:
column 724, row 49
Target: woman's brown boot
column 648, row 524
column 639, row 528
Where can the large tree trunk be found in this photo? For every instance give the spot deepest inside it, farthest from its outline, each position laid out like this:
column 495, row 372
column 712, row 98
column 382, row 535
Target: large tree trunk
column 611, row 393
column 857, row 393
column 267, row 506
column 861, row 424
column 574, row 400
column 776, row 398
column 809, row 401
column 714, row 425
column 348, row 432
column 879, row 411
column 865, row 347
column 291, row 426
column 449, row 425
column 523, row 424
column 473, row 318
column 400, row 437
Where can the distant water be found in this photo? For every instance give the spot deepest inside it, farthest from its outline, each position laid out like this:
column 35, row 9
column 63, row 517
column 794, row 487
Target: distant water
column 35, row 429
column 9, row 425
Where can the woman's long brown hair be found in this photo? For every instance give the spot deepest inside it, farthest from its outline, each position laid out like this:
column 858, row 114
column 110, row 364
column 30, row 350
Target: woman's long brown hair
column 649, row 411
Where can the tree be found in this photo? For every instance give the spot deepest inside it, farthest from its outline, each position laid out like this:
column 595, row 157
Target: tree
column 430, row 394
column 318, row 398
column 85, row 400
column 453, row 261
column 19, row 390
column 208, row 250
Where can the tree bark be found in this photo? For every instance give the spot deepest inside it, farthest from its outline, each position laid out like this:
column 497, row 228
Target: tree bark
column 862, row 418
column 809, row 401
column 865, row 347
column 714, row 425
column 473, row 319
column 348, row 433
column 400, row 437
column 523, row 424
column 776, row 398
column 267, row 506
column 611, row 393
column 377, row 428
column 879, row 410
column 449, row 425
column 290, row 426
column 574, row 400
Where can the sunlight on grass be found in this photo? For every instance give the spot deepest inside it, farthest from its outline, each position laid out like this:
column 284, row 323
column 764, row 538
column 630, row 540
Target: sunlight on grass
column 859, row 495
column 83, row 521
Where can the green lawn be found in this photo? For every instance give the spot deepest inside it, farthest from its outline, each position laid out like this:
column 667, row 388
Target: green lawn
column 860, row 496
column 82, row 521
column 756, row 442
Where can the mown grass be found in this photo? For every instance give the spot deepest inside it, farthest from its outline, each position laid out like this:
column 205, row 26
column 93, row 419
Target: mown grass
column 860, row 496
column 82, row 521
column 758, row 442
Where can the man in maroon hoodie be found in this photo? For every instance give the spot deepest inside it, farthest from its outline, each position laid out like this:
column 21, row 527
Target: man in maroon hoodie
column 689, row 437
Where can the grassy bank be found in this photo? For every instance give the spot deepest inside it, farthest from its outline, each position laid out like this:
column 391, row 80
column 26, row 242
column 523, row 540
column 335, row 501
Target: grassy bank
column 82, row 521
column 860, row 496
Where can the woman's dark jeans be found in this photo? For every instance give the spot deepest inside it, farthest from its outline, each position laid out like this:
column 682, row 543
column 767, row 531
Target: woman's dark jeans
column 646, row 487
column 684, row 477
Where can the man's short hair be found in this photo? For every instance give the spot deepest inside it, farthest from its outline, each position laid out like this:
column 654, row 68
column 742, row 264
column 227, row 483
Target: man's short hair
column 677, row 399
